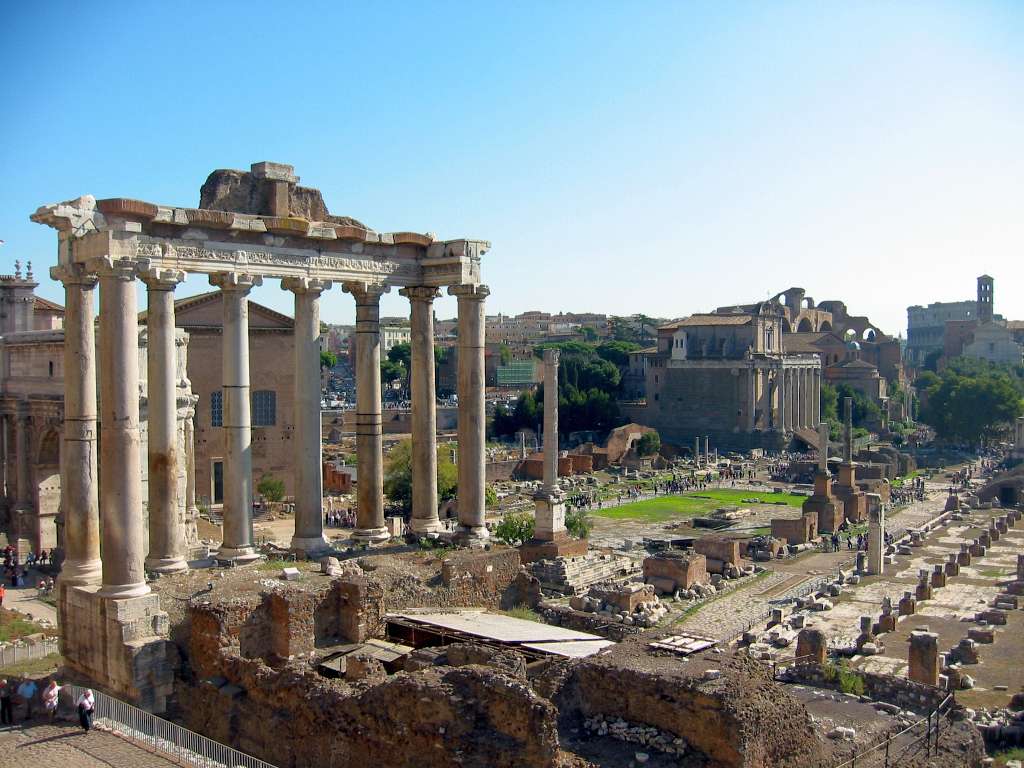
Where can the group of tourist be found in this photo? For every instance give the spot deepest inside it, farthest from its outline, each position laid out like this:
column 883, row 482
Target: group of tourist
column 340, row 519
column 25, row 694
column 16, row 572
column 833, row 542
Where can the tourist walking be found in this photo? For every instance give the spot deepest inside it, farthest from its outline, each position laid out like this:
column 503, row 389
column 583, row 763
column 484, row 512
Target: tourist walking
column 86, row 707
column 6, row 710
column 50, row 695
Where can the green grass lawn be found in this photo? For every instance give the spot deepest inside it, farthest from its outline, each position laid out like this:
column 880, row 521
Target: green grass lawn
column 13, row 625
column 665, row 508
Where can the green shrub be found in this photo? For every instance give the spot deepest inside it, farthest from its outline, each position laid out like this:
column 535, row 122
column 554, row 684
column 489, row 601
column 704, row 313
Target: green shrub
column 270, row 488
column 577, row 523
column 515, row 529
column 490, row 496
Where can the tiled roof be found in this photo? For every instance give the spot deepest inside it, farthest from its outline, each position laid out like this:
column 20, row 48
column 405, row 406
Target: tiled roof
column 705, row 320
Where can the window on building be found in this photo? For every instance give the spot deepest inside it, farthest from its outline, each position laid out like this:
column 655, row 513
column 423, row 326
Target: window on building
column 217, row 409
column 264, row 408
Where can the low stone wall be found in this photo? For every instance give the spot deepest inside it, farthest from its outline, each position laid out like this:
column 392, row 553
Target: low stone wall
column 564, row 616
column 904, row 693
column 495, row 471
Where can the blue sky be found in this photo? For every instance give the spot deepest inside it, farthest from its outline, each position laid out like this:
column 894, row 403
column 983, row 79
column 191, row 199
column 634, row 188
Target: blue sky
column 663, row 158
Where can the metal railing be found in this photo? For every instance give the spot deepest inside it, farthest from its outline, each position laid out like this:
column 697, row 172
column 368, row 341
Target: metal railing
column 923, row 735
column 15, row 654
column 165, row 737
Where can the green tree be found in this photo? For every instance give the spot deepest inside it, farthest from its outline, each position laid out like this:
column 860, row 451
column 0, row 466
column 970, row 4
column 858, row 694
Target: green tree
column 972, row 408
column 401, row 354
column 490, row 496
column 617, row 352
column 270, row 488
column 398, row 474
column 505, row 354
column 391, row 371
column 648, row 444
column 589, row 334
column 328, row 359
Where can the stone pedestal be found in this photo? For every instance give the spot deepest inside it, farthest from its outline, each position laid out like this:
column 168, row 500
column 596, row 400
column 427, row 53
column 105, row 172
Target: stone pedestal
column 938, row 577
column 924, row 658
column 120, row 644
column 907, row 605
column 823, row 505
column 811, row 647
column 876, row 541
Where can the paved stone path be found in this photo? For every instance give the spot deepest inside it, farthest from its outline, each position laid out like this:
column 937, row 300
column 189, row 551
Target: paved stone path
column 24, row 599
column 66, row 746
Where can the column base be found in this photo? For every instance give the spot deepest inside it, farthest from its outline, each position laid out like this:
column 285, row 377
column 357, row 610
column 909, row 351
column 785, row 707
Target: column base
column 123, row 591
column 310, row 545
column 237, row 555
column 81, row 572
column 472, row 536
column 371, row 535
column 166, row 564
column 426, row 525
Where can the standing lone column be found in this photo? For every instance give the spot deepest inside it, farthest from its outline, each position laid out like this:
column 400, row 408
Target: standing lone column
column 309, row 521
column 369, row 440
column 23, row 500
column 166, row 532
column 424, row 410
column 848, row 429
column 79, row 500
column 237, row 545
column 124, row 548
column 550, row 419
column 472, row 417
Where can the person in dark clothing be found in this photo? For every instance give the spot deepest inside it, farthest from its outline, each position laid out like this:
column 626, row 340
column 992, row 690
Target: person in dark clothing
column 6, row 704
column 86, row 708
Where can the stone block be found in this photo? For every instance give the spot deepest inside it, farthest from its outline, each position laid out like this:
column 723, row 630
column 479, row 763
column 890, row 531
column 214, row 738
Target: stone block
column 290, row 574
column 938, row 577
column 907, row 605
column 982, row 635
column 993, row 616
column 811, row 647
column 923, row 592
column 886, row 623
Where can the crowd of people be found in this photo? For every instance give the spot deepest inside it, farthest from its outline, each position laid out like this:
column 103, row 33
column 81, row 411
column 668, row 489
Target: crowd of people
column 341, row 519
column 859, row 543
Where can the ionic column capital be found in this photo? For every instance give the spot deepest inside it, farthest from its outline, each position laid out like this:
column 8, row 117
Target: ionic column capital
column 119, row 269
column 73, row 274
column 305, row 285
column 235, row 282
column 157, row 279
column 425, row 293
column 470, row 292
column 365, row 293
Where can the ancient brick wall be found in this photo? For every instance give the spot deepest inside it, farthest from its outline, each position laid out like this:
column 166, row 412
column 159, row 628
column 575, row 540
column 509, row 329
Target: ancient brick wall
column 469, row 716
column 740, row 719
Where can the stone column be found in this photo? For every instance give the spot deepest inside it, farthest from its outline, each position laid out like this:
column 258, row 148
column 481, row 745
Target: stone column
column 781, row 393
column 549, row 509
column 23, row 469
column 848, row 429
column 707, row 450
column 124, row 548
column 309, row 521
column 823, row 448
column 472, row 418
column 876, row 540
column 191, row 511
column 237, row 545
column 166, row 532
column 752, row 403
column 79, row 499
column 816, row 396
column 369, row 440
column 550, row 419
column 424, row 410
column 696, row 451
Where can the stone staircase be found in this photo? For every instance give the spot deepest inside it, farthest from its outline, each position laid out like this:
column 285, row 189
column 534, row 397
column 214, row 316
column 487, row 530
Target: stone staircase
column 573, row 575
